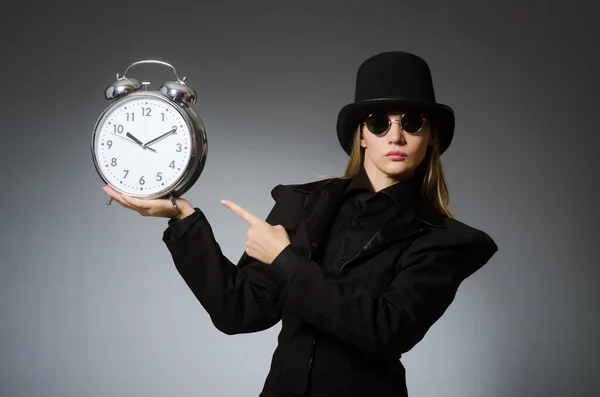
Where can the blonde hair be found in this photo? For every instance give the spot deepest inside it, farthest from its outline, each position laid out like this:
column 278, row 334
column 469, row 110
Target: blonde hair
column 434, row 188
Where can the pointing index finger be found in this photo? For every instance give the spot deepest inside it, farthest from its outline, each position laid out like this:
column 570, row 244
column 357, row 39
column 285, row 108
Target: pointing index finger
column 241, row 212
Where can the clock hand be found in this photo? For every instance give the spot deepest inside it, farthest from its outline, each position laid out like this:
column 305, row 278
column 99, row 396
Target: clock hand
column 145, row 145
column 129, row 140
column 129, row 135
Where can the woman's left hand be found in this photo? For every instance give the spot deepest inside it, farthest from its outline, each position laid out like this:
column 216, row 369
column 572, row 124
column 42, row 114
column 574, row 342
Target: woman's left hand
column 264, row 242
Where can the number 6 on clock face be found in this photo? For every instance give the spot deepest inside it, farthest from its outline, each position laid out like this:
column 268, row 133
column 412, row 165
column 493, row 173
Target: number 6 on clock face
column 149, row 144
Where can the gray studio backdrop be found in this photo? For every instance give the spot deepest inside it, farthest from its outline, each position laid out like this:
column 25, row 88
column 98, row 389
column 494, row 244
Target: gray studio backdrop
column 90, row 302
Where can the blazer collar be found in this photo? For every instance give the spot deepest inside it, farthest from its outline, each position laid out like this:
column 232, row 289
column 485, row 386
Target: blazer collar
column 403, row 193
column 325, row 196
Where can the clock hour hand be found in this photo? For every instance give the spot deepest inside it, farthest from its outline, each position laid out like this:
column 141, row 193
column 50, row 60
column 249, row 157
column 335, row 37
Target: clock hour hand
column 145, row 145
column 133, row 138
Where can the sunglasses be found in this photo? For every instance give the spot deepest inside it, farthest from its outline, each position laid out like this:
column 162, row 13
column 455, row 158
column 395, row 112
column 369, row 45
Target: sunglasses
column 380, row 124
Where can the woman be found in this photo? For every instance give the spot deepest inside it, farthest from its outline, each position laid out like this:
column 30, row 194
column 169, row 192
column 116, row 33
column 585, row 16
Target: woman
column 358, row 268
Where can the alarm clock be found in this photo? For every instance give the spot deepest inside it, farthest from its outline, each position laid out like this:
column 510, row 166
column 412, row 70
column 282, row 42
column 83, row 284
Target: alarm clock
column 149, row 144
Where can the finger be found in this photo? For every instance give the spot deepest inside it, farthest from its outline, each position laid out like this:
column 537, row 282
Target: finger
column 135, row 202
column 241, row 212
column 123, row 199
column 109, row 189
column 116, row 196
column 146, row 207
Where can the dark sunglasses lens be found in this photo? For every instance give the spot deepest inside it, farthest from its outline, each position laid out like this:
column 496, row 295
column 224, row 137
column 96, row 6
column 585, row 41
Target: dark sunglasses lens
column 412, row 122
column 377, row 124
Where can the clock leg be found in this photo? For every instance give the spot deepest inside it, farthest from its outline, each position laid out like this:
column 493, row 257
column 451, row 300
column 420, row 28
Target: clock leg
column 109, row 201
column 172, row 200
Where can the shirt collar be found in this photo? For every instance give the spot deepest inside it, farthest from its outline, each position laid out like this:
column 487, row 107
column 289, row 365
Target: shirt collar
column 403, row 192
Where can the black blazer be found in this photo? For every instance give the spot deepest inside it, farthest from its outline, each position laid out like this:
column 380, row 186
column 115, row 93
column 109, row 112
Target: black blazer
column 341, row 336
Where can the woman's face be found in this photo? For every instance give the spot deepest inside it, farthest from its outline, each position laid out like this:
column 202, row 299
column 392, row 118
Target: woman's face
column 396, row 154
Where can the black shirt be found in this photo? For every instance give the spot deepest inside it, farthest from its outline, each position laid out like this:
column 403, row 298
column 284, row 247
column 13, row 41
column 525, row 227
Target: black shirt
column 360, row 215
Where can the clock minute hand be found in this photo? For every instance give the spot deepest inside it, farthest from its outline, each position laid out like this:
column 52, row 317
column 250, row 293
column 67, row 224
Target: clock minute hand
column 158, row 138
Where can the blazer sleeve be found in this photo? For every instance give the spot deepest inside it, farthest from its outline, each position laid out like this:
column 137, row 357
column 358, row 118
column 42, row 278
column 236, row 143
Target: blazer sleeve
column 238, row 298
column 432, row 268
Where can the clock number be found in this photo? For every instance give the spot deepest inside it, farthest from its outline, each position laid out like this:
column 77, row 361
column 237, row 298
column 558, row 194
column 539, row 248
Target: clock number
column 163, row 116
column 118, row 129
column 146, row 111
column 179, row 147
column 113, row 162
column 109, row 143
column 126, row 173
column 132, row 116
column 172, row 165
column 142, row 181
column 159, row 176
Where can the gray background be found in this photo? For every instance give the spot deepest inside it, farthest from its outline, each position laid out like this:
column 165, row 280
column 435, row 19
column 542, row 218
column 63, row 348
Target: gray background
column 90, row 302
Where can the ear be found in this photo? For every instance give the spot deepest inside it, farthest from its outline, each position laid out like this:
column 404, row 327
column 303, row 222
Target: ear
column 363, row 143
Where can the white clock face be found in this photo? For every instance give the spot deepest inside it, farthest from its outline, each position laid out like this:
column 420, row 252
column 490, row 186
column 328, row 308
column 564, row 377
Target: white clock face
column 142, row 145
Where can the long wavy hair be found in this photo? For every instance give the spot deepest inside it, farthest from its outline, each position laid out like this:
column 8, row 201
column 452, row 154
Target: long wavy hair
column 433, row 184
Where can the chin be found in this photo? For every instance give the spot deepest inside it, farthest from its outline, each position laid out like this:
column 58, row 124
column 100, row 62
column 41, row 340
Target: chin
column 399, row 171
column 397, row 166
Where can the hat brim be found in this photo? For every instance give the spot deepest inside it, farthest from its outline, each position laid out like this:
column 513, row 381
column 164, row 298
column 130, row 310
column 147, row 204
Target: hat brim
column 351, row 115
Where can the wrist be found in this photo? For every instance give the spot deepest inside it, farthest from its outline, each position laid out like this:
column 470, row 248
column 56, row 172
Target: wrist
column 185, row 209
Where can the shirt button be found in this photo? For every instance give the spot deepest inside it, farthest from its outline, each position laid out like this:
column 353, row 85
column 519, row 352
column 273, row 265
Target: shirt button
column 344, row 257
column 361, row 224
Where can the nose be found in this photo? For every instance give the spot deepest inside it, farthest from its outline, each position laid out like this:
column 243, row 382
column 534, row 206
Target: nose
column 395, row 135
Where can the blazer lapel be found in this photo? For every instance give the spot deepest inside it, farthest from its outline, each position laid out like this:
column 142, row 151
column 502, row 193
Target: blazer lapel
column 320, row 210
column 321, row 207
column 398, row 228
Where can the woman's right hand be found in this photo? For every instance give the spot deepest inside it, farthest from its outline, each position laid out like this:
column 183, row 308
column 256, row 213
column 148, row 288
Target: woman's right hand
column 162, row 208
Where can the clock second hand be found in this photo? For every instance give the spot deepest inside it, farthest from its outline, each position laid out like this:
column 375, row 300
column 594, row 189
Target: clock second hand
column 129, row 140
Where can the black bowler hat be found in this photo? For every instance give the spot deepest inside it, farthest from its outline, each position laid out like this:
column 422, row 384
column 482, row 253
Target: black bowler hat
column 394, row 81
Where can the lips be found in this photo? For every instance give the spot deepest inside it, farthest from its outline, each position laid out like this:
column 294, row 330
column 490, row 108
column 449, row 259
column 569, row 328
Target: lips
column 396, row 153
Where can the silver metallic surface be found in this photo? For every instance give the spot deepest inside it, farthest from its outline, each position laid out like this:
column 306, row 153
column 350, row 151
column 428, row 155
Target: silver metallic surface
column 156, row 62
column 179, row 91
column 122, row 87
